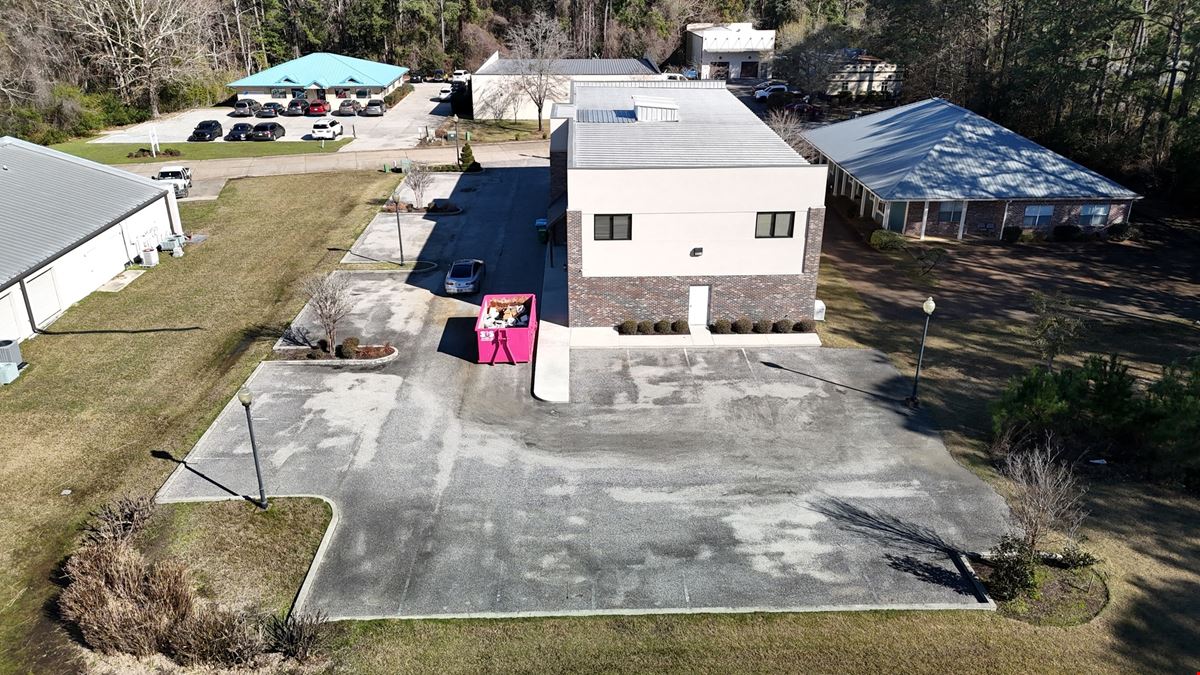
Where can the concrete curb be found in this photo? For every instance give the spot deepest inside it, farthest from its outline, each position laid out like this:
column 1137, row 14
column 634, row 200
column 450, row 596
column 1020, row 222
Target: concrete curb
column 607, row 338
column 336, row 362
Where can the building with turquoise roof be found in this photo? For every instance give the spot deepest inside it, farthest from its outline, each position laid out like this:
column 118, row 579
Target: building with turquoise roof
column 321, row 76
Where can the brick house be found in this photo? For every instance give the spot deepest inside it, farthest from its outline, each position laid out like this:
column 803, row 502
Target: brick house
column 932, row 168
column 677, row 202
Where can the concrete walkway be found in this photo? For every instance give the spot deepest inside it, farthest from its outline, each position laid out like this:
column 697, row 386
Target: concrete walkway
column 700, row 336
column 552, row 363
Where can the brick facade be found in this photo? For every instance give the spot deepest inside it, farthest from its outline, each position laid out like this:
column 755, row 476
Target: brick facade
column 984, row 219
column 606, row 301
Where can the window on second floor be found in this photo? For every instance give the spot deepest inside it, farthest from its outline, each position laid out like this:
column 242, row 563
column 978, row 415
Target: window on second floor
column 950, row 212
column 1038, row 215
column 1093, row 215
column 774, row 225
column 613, row 227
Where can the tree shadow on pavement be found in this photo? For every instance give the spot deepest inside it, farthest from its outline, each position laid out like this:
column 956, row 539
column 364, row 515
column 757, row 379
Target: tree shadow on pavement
column 883, row 527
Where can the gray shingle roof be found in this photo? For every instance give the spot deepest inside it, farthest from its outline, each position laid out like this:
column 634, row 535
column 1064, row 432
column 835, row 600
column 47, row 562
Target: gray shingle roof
column 574, row 67
column 935, row 150
column 51, row 201
column 715, row 129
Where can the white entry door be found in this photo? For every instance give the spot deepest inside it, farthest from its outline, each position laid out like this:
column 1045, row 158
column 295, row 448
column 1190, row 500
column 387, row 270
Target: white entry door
column 698, row 305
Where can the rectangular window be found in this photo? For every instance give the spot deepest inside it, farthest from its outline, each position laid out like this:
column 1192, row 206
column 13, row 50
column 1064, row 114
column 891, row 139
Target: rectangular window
column 614, row 227
column 298, row 93
column 1038, row 215
column 775, row 225
column 279, row 93
column 950, row 212
column 341, row 92
column 362, row 93
column 1093, row 215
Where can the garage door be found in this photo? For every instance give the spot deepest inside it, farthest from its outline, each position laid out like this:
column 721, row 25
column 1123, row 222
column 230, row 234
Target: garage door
column 9, row 325
column 43, row 296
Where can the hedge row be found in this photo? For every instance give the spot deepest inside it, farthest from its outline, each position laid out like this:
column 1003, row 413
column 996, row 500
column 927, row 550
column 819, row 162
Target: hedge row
column 743, row 326
column 660, row 327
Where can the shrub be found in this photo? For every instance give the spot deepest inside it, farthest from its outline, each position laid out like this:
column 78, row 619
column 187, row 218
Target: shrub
column 466, row 158
column 662, row 327
column 627, row 327
column 348, row 349
column 721, row 327
column 805, row 326
column 120, row 603
column 645, row 327
column 1032, row 237
column 763, row 326
column 398, row 95
column 1172, row 412
column 217, row 637
column 1066, row 232
column 1011, row 234
column 886, row 240
column 784, row 326
column 296, row 637
column 1121, row 232
column 1013, row 569
column 680, row 327
column 118, row 520
column 1074, row 556
column 742, row 326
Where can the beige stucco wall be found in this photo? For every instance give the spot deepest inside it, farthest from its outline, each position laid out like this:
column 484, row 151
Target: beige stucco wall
column 676, row 210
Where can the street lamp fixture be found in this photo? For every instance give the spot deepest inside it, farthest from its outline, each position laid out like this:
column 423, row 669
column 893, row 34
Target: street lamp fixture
column 457, row 156
column 246, row 398
column 928, row 306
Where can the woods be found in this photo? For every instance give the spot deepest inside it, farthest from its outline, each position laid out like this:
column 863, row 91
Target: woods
column 1107, row 82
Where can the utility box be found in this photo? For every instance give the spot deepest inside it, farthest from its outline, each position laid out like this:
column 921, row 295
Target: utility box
column 507, row 328
column 8, row 373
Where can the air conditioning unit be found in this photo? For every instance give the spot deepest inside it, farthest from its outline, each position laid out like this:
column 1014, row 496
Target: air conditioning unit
column 10, row 352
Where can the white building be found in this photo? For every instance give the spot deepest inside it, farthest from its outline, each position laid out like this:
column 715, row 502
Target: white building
column 859, row 75
column 67, row 225
column 721, row 51
column 496, row 93
column 678, row 202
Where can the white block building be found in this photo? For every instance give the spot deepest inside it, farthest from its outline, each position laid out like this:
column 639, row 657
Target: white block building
column 67, row 225
column 726, row 51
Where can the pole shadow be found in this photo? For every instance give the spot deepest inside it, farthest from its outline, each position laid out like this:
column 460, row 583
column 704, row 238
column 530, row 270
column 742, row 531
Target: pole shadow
column 163, row 454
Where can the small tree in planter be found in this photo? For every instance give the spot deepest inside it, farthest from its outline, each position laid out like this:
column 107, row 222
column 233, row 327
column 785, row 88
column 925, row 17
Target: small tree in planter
column 329, row 297
column 419, row 179
column 466, row 159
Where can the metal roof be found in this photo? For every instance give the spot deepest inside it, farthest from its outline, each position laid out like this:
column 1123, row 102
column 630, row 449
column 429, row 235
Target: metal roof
column 715, row 129
column 570, row 67
column 325, row 71
column 934, row 150
column 606, row 116
column 51, row 201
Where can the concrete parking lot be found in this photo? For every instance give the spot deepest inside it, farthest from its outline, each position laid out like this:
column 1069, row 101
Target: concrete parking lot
column 400, row 127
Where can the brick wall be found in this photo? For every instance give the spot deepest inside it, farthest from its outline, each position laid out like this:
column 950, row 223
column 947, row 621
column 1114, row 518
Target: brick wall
column 606, row 301
column 981, row 215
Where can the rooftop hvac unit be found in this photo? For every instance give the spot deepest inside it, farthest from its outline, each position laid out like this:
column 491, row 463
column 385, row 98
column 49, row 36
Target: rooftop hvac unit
column 10, row 352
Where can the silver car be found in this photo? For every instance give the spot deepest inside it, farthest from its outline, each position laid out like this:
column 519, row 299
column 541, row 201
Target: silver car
column 374, row 108
column 465, row 276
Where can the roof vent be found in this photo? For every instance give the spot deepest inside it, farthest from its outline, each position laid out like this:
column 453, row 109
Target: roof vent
column 655, row 109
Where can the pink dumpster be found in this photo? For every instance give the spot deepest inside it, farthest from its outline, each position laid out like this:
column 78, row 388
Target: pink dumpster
column 506, row 328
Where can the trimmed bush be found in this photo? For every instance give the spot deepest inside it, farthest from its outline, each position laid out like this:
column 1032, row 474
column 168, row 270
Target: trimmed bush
column 627, row 327
column 645, row 328
column 742, row 326
column 1013, row 569
column 721, row 327
column 466, row 158
column 783, row 326
column 1011, row 234
column 662, row 327
column 118, row 520
column 348, row 349
column 805, row 326
column 680, row 327
column 886, row 240
column 399, row 94
column 1120, row 232
column 763, row 326
column 1032, row 237
column 297, row 637
column 1074, row 556
column 1067, row 233
column 217, row 637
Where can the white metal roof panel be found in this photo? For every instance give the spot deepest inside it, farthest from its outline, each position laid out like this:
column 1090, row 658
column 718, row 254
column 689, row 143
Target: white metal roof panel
column 570, row 67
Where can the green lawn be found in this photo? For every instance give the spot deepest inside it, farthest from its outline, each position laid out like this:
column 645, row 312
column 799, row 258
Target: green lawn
column 116, row 153
column 122, row 375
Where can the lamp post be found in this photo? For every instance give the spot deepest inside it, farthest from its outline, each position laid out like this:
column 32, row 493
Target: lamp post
column 246, row 398
column 457, row 157
column 399, row 232
column 928, row 306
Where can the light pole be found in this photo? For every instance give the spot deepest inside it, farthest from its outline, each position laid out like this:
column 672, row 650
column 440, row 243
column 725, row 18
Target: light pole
column 246, row 399
column 928, row 306
column 457, row 157
column 399, row 233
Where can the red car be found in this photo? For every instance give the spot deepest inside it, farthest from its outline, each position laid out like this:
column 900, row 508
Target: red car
column 318, row 108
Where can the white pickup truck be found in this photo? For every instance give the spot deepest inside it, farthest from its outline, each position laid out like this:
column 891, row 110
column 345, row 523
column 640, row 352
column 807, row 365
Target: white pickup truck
column 178, row 176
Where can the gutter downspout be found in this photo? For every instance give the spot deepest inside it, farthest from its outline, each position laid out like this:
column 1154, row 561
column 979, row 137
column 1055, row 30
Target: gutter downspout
column 28, row 308
column 1004, row 219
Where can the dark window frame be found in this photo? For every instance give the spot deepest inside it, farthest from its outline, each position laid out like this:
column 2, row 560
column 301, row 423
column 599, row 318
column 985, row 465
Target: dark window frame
column 955, row 214
column 791, row 231
column 611, row 227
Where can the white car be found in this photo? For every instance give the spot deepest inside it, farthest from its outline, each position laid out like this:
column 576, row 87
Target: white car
column 460, row 76
column 763, row 93
column 180, row 177
column 445, row 93
column 327, row 130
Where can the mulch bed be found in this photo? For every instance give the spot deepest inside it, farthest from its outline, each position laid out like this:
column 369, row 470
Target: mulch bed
column 1065, row 597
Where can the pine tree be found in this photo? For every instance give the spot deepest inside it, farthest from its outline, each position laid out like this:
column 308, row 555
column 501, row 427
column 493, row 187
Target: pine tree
column 466, row 160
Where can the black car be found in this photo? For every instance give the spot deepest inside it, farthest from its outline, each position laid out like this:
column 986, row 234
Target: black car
column 208, row 130
column 438, row 75
column 348, row 107
column 270, row 109
column 416, row 77
column 296, row 107
column 246, row 108
column 267, row 131
column 240, row 132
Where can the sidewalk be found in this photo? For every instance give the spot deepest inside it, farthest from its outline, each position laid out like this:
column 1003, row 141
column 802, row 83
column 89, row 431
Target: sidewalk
column 607, row 338
column 552, row 363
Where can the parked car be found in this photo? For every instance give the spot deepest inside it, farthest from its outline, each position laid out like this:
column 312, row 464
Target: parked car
column 270, row 109
column 416, row 77
column 348, row 107
column 766, row 90
column 208, row 130
column 374, row 108
column 778, row 98
column 445, row 93
column 267, row 131
column 438, row 75
column 327, row 130
column 460, row 76
column 180, row 178
column 805, row 110
column 297, row 107
column 318, row 107
column 245, row 108
column 674, row 77
column 240, row 132
column 465, row 276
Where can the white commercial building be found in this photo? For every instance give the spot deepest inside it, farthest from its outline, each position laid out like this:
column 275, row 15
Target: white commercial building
column 67, row 225
column 678, row 202
column 496, row 87
column 858, row 75
column 721, row 51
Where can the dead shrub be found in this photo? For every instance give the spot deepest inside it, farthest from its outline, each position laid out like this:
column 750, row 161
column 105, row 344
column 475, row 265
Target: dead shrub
column 216, row 636
column 118, row 520
column 297, row 637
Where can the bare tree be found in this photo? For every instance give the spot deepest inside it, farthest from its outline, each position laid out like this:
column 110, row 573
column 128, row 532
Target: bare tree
column 329, row 298
column 419, row 178
column 786, row 124
column 1046, row 495
column 538, row 46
